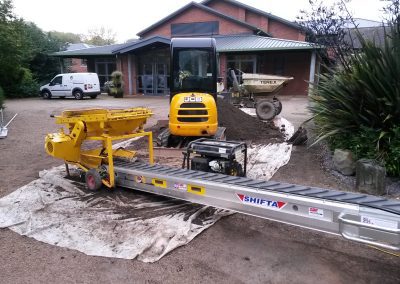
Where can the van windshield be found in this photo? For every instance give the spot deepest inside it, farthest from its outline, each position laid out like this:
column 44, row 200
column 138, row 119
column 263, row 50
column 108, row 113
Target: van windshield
column 193, row 70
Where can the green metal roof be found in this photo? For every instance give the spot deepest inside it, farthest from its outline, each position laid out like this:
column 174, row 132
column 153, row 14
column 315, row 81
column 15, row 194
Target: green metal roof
column 236, row 43
column 225, row 44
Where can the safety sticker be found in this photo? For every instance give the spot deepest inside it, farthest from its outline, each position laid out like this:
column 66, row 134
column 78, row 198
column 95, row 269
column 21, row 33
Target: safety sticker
column 260, row 202
column 316, row 212
column 140, row 179
column 180, row 186
column 222, row 150
column 379, row 222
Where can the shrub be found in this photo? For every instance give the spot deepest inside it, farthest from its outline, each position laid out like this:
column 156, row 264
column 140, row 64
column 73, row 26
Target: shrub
column 28, row 86
column 117, row 90
column 2, row 97
column 358, row 108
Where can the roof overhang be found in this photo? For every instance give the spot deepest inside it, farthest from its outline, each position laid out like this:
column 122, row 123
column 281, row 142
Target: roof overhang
column 152, row 42
column 224, row 44
column 254, row 43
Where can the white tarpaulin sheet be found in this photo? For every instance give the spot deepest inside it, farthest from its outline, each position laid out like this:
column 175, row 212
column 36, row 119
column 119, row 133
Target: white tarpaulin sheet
column 117, row 223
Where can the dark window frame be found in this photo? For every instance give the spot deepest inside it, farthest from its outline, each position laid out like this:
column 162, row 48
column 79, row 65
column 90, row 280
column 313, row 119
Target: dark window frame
column 195, row 29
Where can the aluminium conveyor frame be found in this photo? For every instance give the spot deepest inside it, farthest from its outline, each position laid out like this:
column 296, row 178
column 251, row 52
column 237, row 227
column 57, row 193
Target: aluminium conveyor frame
column 357, row 217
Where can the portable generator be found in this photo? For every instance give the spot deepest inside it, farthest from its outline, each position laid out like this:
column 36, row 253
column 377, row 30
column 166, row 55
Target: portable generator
column 209, row 155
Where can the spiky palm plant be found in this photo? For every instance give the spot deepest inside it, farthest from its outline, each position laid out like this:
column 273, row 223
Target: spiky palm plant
column 359, row 107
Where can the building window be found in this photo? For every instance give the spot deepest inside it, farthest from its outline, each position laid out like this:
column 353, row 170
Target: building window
column 279, row 65
column 245, row 63
column 83, row 62
column 104, row 67
column 192, row 29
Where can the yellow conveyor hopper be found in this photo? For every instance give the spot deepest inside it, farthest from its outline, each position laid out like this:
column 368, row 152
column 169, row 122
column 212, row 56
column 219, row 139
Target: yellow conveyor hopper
column 104, row 125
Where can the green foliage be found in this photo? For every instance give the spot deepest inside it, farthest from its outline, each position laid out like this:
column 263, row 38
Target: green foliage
column 358, row 108
column 117, row 89
column 100, row 36
column 62, row 39
column 24, row 54
column 28, row 87
column 2, row 97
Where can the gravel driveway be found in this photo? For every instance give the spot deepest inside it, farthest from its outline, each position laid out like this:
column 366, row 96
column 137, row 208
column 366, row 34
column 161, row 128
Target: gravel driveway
column 238, row 249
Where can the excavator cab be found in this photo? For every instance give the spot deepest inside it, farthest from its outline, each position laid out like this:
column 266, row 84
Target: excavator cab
column 193, row 91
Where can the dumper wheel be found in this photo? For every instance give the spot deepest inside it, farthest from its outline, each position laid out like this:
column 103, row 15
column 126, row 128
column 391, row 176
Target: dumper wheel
column 278, row 105
column 265, row 110
column 93, row 179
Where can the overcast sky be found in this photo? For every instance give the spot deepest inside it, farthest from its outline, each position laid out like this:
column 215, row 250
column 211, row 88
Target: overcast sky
column 126, row 17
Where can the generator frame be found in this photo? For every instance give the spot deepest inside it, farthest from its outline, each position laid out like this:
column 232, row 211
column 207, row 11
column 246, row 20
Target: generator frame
column 213, row 148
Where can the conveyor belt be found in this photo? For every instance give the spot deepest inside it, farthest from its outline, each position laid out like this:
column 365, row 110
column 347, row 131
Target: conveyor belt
column 358, row 217
column 389, row 205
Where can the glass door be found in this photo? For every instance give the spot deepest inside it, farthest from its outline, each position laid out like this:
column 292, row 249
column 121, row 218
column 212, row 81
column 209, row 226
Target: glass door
column 153, row 73
column 162, row 79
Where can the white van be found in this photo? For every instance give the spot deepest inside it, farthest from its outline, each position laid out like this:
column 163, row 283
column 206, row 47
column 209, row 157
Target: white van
column 77, row 85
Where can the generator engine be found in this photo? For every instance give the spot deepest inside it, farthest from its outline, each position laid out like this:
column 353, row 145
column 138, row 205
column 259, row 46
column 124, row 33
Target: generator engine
column 223, row 157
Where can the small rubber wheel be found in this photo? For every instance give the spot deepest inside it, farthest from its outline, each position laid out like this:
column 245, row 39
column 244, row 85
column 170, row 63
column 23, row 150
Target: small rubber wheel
column 93, row 179
column 93, row 96
column 78, row 95
column 265, row 110
column 237, row 170
column 46, row 95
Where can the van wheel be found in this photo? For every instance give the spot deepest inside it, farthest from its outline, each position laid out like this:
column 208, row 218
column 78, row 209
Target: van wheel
column 46, row 95
column 93, row 96
column 78, row 95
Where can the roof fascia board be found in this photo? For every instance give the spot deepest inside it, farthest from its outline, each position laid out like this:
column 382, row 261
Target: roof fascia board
column 142, row 43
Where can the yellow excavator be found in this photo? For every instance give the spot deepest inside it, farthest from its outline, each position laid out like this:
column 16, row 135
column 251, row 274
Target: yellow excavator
column 193, row 93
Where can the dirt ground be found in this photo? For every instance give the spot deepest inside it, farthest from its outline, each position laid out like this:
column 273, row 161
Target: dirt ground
column 238, row 249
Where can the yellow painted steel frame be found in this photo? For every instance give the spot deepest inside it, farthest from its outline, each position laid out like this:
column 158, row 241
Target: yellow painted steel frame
column 107, row 142
column 98, row 125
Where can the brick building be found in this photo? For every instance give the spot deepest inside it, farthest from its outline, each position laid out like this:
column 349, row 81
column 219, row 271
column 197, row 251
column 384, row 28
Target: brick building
column 247, row 38
column 75, row 65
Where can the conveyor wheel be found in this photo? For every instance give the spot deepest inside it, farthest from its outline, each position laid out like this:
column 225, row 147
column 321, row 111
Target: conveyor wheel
column 93, row 179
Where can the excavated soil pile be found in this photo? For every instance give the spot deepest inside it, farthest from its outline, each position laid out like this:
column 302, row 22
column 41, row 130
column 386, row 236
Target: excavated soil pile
column 241, row 126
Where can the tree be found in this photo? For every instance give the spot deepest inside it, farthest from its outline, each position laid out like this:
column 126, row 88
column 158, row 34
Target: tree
column 326, row 25
column 63, row 39
column 100, row 36
column 11, row 55
column 24, row 54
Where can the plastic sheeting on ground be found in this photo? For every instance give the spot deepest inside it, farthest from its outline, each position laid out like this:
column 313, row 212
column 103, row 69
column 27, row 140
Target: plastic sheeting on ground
column 118, row 223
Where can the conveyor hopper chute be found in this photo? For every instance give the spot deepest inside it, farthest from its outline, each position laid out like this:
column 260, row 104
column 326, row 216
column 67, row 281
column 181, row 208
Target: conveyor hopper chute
column 104, row 126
